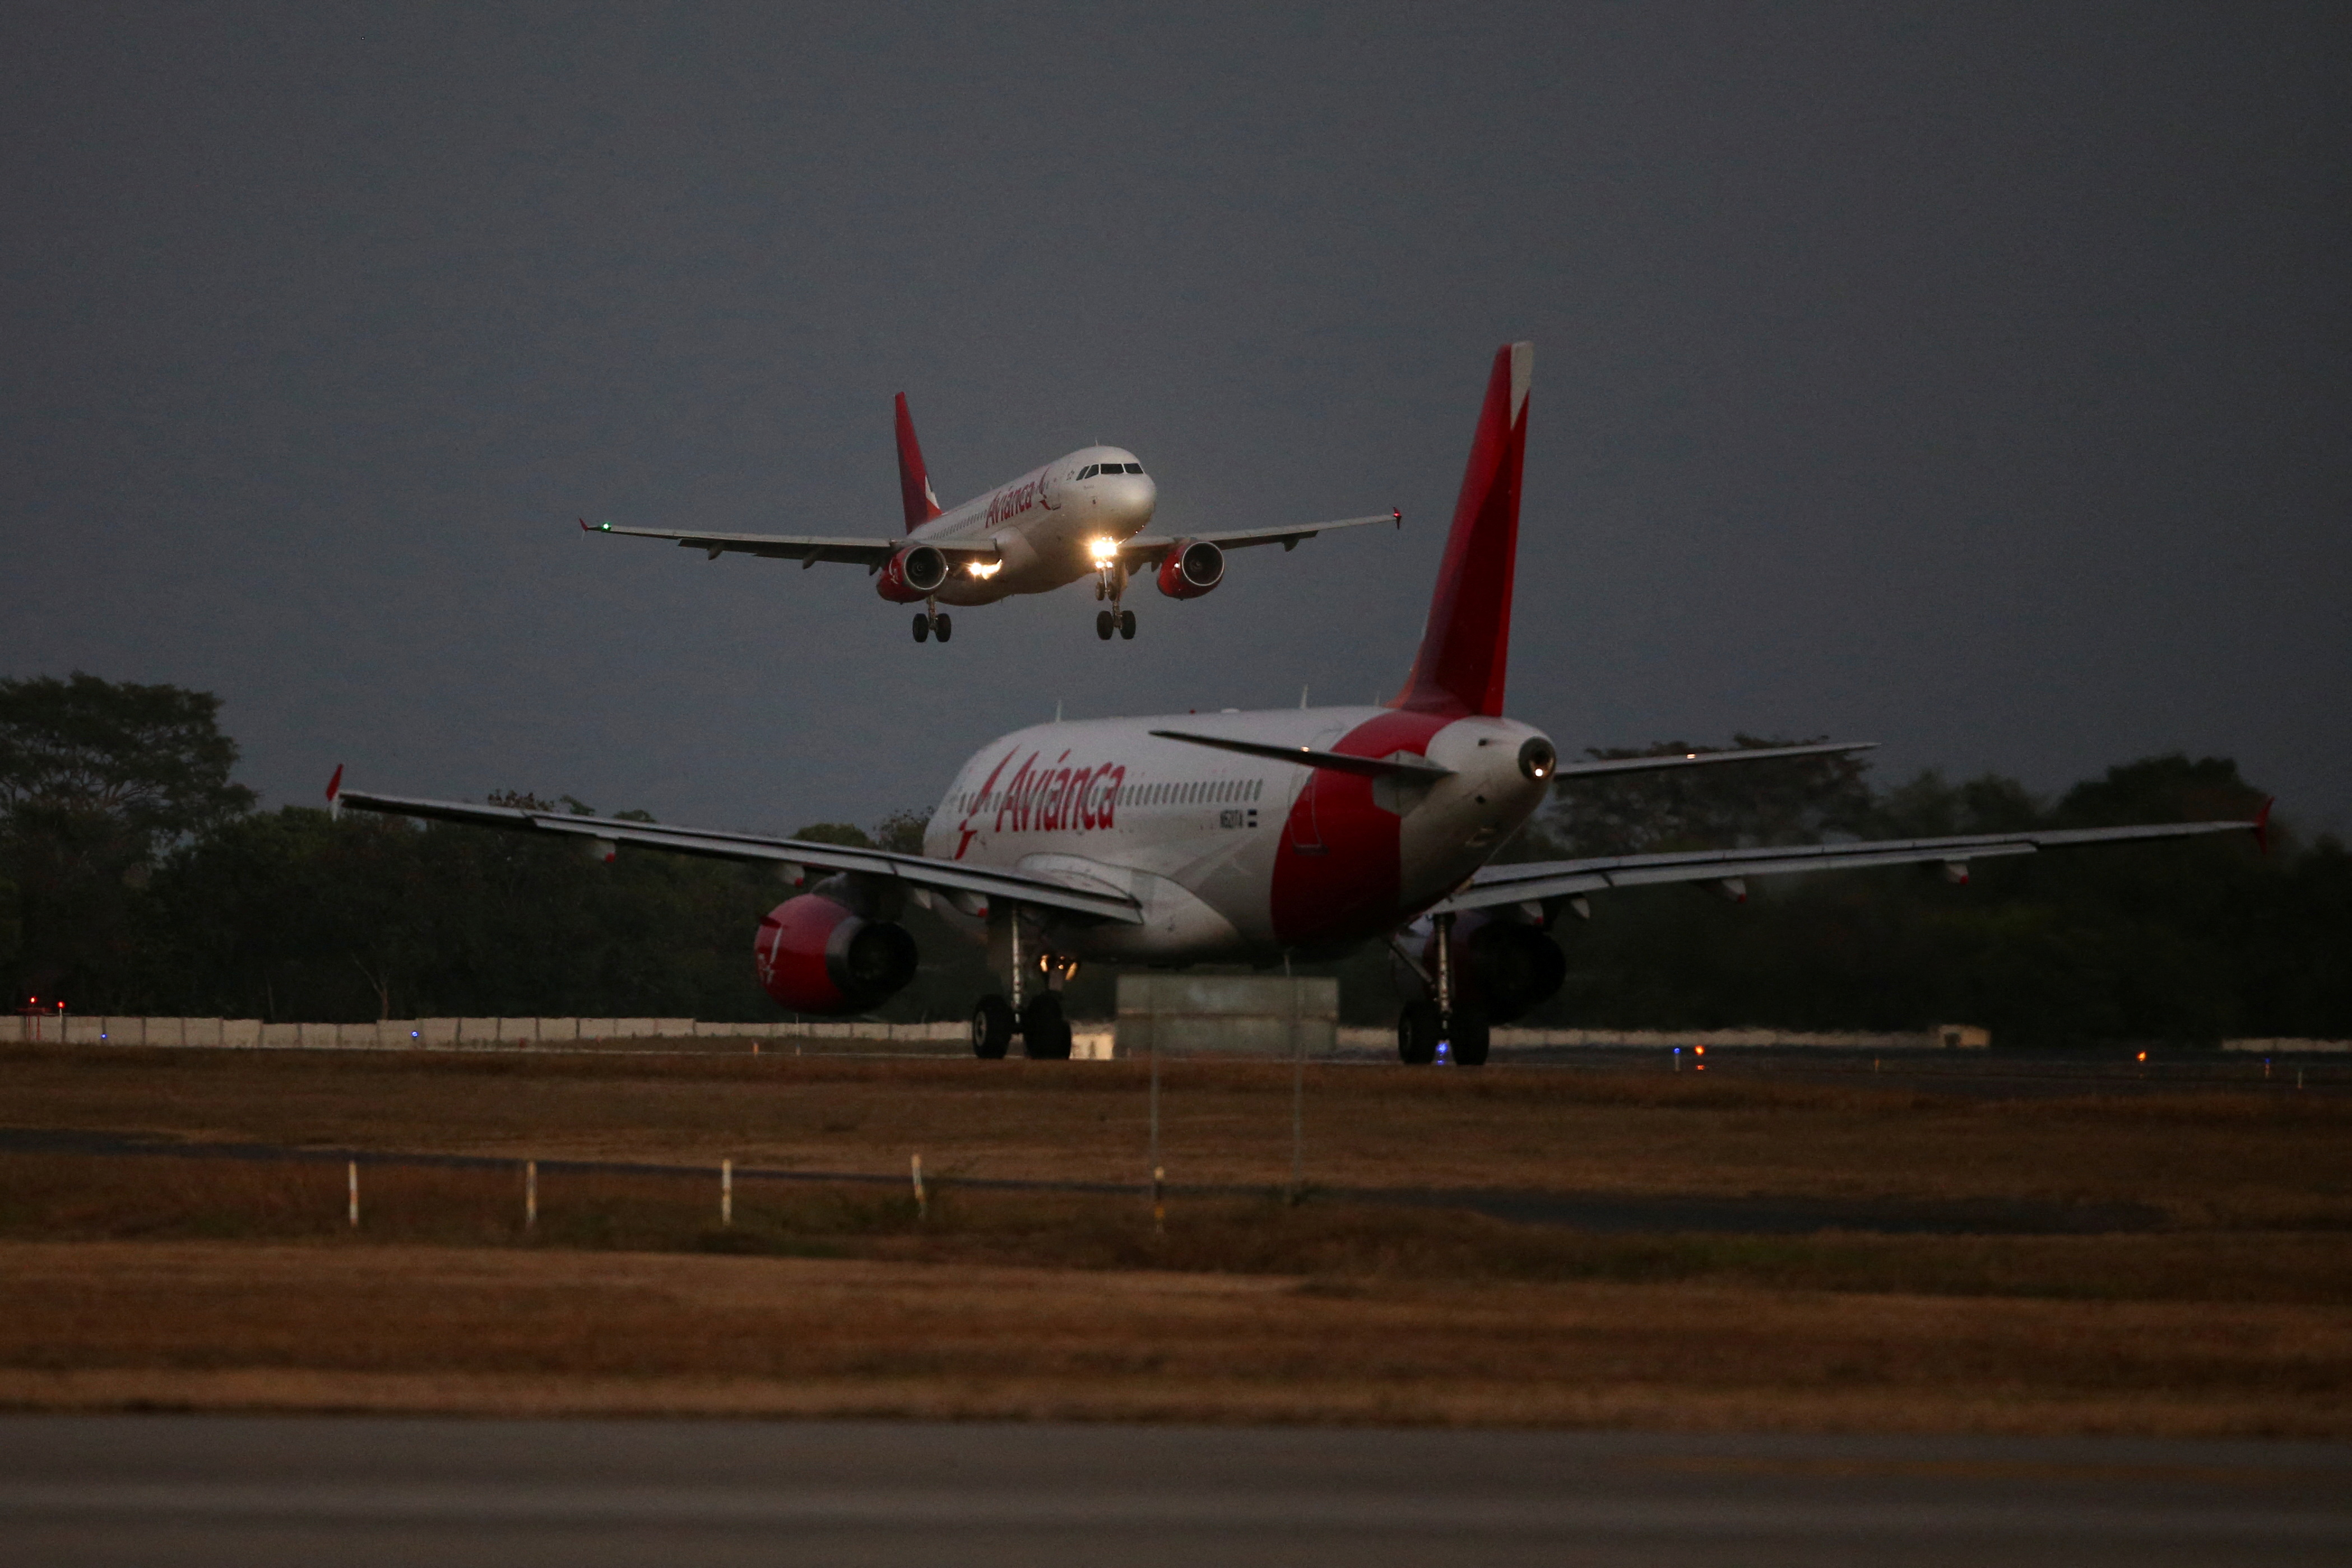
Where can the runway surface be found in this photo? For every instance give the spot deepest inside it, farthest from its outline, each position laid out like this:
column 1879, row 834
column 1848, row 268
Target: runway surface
column 206, row 1490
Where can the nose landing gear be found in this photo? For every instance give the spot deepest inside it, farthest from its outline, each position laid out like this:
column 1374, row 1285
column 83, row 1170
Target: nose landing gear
column 1111, row 582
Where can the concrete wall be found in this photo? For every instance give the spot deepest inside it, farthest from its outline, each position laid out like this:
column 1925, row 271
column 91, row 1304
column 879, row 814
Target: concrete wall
column 442, row 1034
column 1950, row 1037
column 1231, row 1015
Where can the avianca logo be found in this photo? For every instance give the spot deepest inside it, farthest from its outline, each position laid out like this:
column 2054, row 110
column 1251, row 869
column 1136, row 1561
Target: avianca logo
column 1051, row 799
column 1011, row 503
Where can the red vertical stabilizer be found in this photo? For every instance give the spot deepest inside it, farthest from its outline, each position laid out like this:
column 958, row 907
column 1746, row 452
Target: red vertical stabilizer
column 1467, row 642
column 914, row 483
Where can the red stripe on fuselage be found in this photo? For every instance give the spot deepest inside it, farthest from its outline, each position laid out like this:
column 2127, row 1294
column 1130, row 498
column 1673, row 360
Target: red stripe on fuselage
column 1336, row 873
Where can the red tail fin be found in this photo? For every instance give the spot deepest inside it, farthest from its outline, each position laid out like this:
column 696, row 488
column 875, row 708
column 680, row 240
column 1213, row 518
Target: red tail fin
column 1467, row 642
column 914, row 484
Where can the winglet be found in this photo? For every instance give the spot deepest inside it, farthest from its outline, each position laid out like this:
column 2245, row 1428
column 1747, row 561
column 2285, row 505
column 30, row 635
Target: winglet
column 2262, row 826
column 335, row 793
column 914, row 480
column 1467, row 643
column 1398, row 512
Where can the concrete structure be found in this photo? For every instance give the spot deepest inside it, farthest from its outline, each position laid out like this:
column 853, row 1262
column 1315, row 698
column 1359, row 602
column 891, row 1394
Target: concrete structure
column 1944, row 1037
column 1227, row 1015
column 444, row 1034
column 1214, row 1013
column 2289, row 1047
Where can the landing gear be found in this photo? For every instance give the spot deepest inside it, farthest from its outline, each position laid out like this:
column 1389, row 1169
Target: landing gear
column 1418, row 1027
column 991, row 1028
column 922, row 627
column 1111, row 582
column 1425, row 1027
column 1469, row 1037
column 1043, row 1028
column 933, row 622
column 1044, row 1031
column 941, row 626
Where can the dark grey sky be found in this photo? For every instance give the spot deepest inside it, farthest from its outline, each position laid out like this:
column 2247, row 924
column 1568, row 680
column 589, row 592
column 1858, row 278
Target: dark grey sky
column 1969, row 379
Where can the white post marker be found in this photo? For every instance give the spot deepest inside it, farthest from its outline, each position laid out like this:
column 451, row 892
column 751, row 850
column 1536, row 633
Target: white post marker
column 727, row 1192
column 922, row 1203
column 1158, row 1211
column 530, row 1195
column 352, row 1181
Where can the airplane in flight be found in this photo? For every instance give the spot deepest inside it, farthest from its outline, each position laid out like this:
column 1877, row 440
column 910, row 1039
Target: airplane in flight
column 1085, row 512
column 1245, row 837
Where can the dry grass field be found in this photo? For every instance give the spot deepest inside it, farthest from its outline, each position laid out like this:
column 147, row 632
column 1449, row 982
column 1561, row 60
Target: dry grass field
column 2220, row 1301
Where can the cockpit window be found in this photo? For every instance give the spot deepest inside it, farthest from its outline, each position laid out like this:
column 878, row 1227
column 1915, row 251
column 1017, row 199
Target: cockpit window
column 1090, row 470
column 1135, row 468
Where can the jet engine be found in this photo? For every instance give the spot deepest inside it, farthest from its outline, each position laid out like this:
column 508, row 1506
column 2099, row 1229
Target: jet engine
column 1502, row 966
column 816, row 956
column 1191, row 568
column 913, row 575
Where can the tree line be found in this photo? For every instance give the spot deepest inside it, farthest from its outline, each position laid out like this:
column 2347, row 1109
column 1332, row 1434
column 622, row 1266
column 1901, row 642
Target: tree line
column 137, row 876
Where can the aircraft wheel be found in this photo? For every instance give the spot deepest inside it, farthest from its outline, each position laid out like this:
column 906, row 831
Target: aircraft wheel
column 1045, row 1032
column 1470, row 1037
column 1102, row 624
column 992, row 1027
column 1417, row 1034
column 1127, row 625
column 922, row 628
column 942, row 626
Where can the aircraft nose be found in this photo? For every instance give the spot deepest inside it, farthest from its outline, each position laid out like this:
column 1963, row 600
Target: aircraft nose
column 1138, row 497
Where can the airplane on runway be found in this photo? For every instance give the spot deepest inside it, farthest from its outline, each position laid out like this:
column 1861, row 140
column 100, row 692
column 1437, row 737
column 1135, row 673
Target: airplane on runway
column 1246, row 836
column 1084, row 512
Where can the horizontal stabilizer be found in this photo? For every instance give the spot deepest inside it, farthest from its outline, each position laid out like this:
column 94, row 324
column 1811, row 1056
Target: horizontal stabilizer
column 1402, row 764
column 1699, row 759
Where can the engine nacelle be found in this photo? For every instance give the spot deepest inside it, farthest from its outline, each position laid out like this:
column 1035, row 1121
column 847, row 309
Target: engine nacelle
column 1191, row 568
column 913, row 575
column 814, row 955
column 1502, row 966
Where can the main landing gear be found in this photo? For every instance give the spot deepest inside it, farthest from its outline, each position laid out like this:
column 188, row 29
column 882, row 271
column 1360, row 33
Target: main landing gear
column 1043, row 1028
column 1427, row 1029
column 1122, row 622
column 931, row 623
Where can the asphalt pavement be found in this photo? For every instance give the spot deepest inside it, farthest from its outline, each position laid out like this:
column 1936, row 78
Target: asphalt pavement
column 202, row 1491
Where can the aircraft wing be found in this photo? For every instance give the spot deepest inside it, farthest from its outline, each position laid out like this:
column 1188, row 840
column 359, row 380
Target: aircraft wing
column 808, row 548
column 917, row 871
column 1542, row 881
column 1143, row 546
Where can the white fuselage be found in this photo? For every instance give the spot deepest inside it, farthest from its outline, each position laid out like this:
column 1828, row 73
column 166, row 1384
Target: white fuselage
column 1044, row 524
column 1233, row 857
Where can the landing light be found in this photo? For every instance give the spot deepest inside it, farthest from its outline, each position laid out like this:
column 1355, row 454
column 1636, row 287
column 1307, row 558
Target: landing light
column 1104, row 550
column 983, row 570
